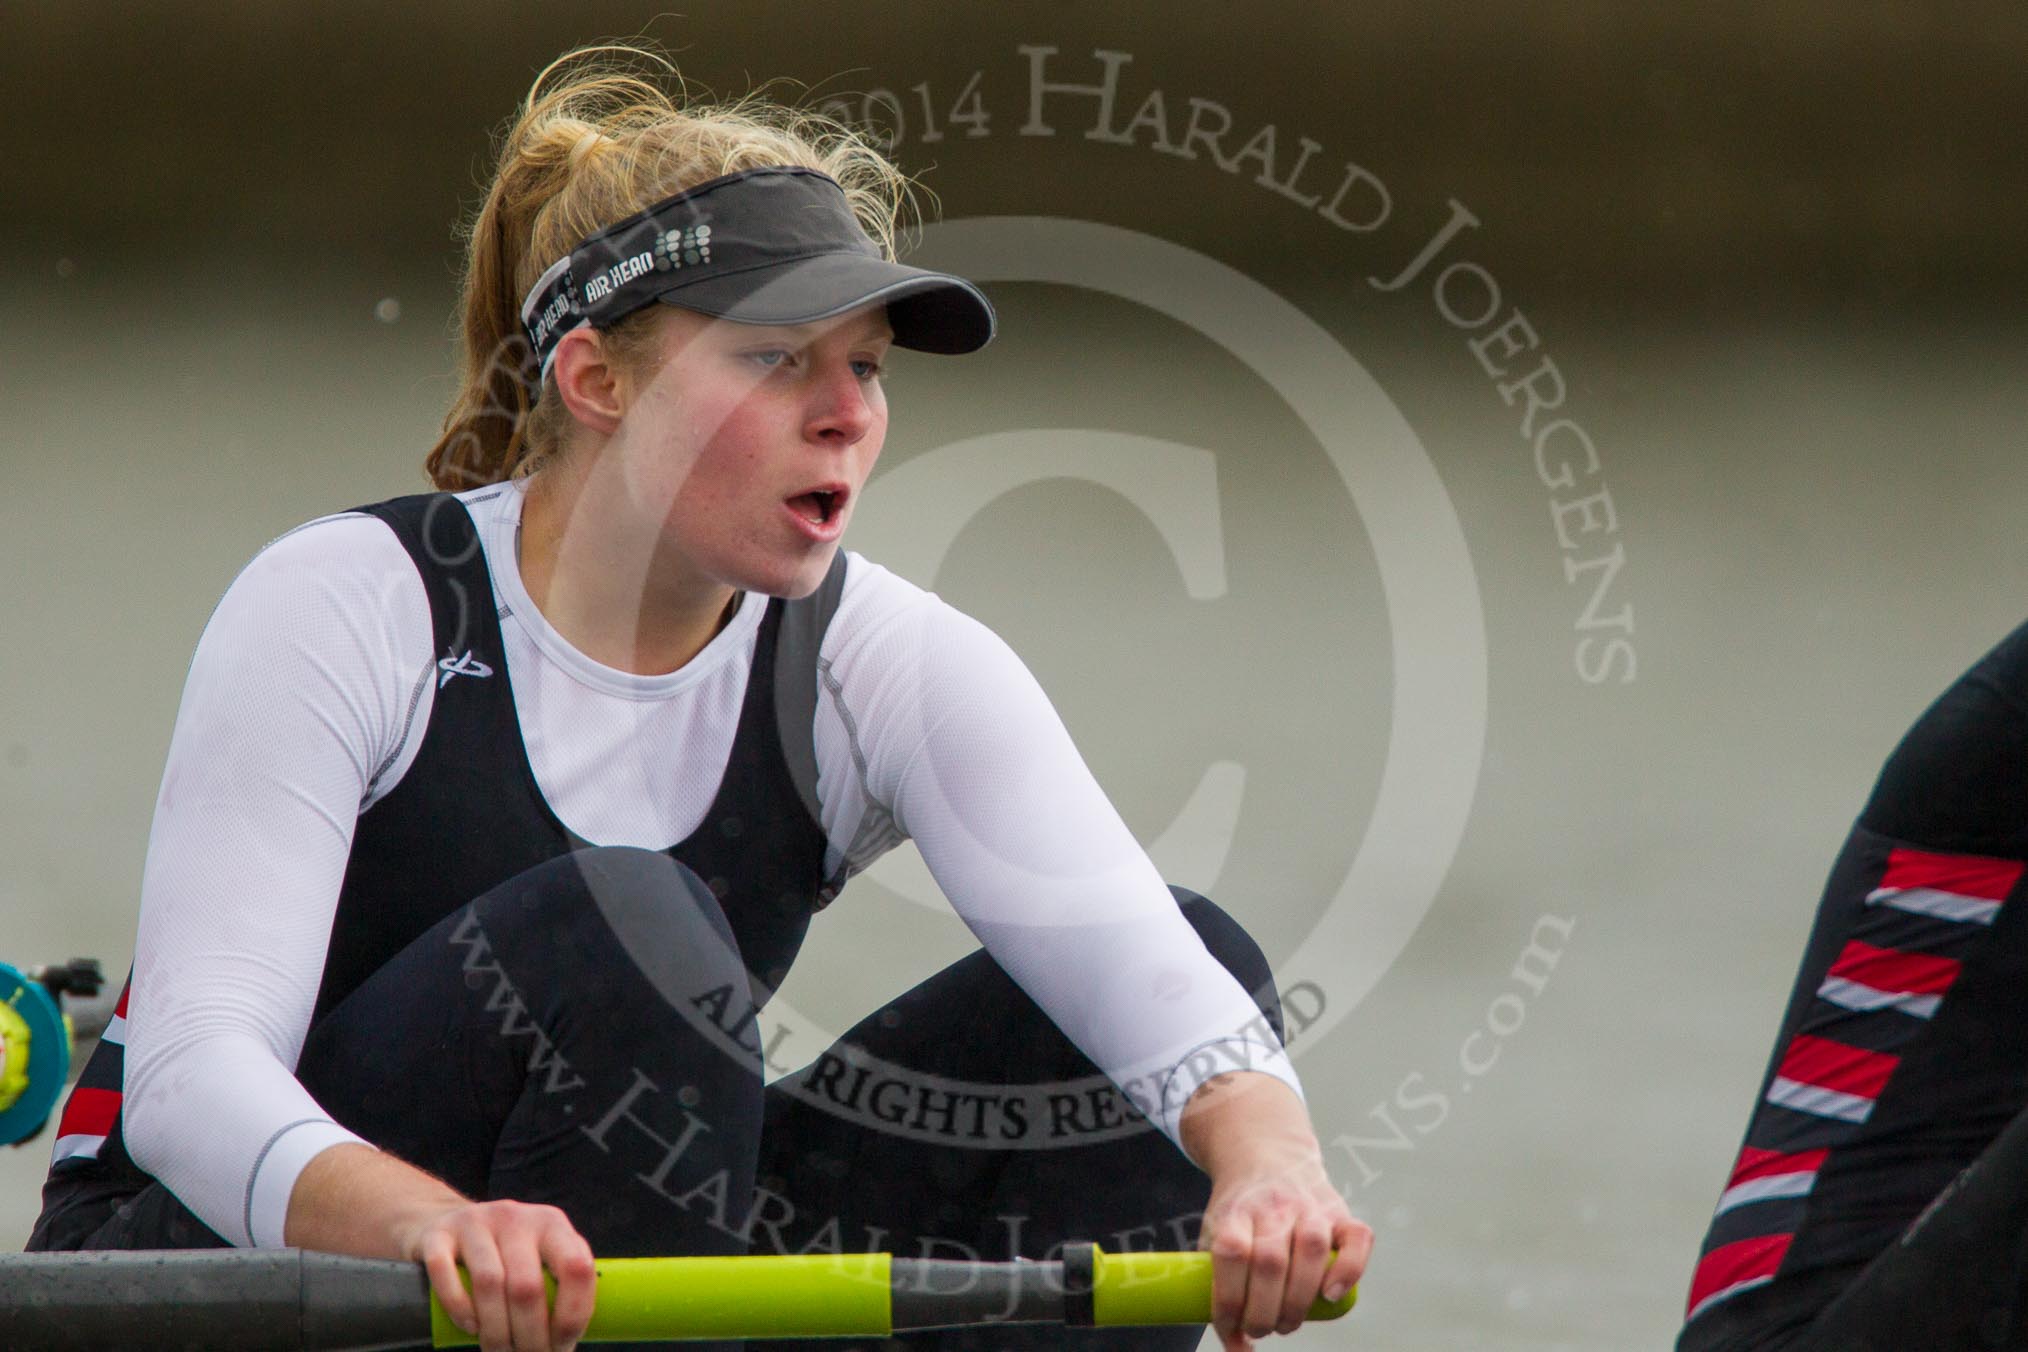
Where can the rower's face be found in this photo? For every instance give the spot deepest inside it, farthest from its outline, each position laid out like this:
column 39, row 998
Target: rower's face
column 754, row 442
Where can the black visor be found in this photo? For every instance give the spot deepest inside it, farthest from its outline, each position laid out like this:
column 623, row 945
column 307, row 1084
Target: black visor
column 778, row 245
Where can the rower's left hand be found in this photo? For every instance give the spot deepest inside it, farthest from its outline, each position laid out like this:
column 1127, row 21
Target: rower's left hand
column 1272, row 1226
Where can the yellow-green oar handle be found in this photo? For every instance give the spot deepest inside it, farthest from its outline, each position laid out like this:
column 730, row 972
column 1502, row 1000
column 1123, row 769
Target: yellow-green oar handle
column 662, row 1299
column 1170, row 1288
column 876, row 1294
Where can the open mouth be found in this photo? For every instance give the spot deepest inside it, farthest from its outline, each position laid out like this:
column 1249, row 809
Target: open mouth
column 819, row 505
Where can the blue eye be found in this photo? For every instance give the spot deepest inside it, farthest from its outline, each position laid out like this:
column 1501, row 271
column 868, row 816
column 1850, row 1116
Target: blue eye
column 782, row 358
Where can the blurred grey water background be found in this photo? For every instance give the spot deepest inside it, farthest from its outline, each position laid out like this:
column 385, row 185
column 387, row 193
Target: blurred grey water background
column 1775, row 255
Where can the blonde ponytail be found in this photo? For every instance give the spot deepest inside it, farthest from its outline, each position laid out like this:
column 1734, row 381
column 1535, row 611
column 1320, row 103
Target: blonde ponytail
column 605, row 141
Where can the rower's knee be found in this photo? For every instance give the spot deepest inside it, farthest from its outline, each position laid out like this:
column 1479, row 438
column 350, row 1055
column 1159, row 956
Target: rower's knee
column 665, row 918
column 606, row 909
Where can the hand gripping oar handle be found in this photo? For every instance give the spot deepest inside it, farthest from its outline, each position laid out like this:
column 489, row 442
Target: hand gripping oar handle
column 229, row 1300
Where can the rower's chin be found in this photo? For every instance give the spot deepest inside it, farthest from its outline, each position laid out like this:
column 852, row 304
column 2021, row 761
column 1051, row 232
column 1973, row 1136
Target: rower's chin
column 797, row 574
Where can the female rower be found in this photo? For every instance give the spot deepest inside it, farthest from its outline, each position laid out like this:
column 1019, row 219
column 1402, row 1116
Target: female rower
column 419, row 973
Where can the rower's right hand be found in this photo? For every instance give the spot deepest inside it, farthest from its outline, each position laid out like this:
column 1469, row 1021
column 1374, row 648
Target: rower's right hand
column 505, row 1246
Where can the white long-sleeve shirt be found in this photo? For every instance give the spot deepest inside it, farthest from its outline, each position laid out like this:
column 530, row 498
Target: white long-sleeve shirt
column 306, row 703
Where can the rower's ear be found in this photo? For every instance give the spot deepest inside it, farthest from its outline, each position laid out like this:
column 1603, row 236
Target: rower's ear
column 589, row 379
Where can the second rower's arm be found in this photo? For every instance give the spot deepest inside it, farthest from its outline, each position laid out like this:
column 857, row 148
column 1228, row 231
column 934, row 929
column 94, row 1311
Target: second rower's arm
column 298, row 696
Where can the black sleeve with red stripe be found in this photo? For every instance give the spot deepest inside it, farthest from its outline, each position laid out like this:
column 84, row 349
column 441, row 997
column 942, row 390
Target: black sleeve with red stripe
column 1903, row 1050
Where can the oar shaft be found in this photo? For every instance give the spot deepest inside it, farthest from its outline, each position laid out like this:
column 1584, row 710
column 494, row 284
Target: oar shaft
column 237, row 1300
column 209, row 1300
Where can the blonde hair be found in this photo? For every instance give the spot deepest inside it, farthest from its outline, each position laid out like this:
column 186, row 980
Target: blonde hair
column 597, row 139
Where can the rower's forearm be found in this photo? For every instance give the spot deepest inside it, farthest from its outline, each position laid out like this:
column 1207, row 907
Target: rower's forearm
column 1245, row 1119
column 354, row 1199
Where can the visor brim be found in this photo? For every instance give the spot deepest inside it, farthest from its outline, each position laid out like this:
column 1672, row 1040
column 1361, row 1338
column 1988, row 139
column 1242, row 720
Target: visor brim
column 929, row 311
